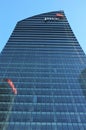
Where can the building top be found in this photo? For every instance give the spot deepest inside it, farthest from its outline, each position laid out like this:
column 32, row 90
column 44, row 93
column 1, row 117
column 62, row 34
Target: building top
column 52, row 15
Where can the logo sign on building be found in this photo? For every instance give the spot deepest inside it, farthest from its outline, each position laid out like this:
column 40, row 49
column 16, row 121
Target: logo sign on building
column 57, row 17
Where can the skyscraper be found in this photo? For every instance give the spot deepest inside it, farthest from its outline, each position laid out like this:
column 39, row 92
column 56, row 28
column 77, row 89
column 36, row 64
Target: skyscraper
column 47, row 65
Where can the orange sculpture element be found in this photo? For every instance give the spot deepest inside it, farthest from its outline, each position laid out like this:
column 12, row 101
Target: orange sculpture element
column 12, row 85
column 59, row 15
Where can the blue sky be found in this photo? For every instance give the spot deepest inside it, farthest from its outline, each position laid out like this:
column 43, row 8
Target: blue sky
column 13, row 11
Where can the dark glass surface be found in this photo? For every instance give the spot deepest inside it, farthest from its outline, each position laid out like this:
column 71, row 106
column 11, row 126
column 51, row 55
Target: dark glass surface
column 48, row 68
column 6, row 101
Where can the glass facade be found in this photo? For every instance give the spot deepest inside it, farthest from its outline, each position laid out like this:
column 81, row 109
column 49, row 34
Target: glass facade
column 48, row 67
